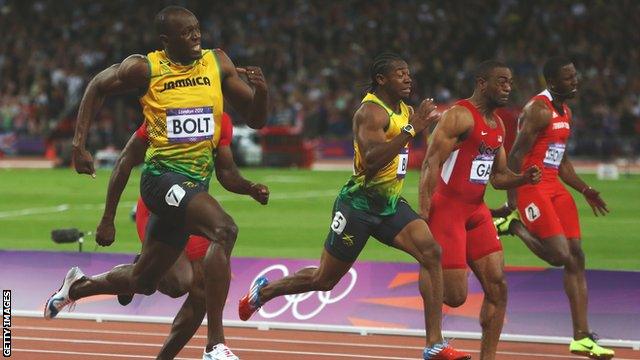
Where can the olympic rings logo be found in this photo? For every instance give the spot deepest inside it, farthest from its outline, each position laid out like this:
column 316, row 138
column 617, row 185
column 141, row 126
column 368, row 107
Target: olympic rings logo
column 292, row 301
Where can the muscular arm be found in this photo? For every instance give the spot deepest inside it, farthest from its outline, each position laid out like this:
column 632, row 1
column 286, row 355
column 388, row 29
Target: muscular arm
column 227, row 173
column 250, row 103
column 535, row 118
column 230, row 178
column 131, row 74
column 132, row 155
column 503, row 178
column 369, row 124
column 568, row 175
column 454, row 124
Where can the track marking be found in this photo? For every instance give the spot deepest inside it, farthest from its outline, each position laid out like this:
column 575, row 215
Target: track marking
column 59, row 352
column 236, row 349
column 227, row 198
column 238, row 338
column 243, row 338
column 34, row 211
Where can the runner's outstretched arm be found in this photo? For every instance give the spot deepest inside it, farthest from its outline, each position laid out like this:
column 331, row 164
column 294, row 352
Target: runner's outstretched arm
column 131, row 156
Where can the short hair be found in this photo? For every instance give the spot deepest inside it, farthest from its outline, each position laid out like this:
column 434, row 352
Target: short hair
column 381, row 65
column 161, row 21
column 483, row 70
column 552, row 67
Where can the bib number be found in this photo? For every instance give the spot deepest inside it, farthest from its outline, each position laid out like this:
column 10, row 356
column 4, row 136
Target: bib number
column 532, row 212
column 338, row 223
column 403, row 161
column 190, row 124
column 553, row 156
column 481, row 170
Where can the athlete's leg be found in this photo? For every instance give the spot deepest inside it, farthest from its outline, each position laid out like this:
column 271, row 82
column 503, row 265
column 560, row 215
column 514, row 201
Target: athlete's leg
column 177, row 281
column 207, row 218
column 575, row 286
column 416, row 240
column 143, row 276
column 189, row 318
column 490, row 272
column 322, row 278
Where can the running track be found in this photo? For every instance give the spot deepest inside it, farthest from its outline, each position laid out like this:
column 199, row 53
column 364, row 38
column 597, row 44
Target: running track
column 65, row 339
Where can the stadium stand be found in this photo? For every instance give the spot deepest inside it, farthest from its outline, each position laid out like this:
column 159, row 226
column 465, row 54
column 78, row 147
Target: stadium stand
column 314, row 55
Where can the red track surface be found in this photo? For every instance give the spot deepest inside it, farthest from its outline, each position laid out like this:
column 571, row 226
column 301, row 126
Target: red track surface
column 37, row 339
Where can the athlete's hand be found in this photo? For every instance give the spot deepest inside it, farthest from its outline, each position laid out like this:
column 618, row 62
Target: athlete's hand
column 426, row 115
column 105, row 233
column 532, row 175
column 595, row 201
column 254, row 77
column 260, row 193
column 83, row 161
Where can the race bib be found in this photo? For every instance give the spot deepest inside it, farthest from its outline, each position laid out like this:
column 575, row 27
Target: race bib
column 190, row 124
column 481, row 169
column 403, row 160
column 553, row 156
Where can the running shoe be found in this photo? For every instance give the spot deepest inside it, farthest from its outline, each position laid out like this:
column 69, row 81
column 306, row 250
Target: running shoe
column 503, row 224
column 220, row 352
column 125, row 299
column 251, row 302
column 589, row 347
column 61, row 298
column 442, row 351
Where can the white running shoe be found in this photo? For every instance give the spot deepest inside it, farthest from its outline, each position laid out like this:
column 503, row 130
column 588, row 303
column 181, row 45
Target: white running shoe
column 220, row 352
column 61, row 298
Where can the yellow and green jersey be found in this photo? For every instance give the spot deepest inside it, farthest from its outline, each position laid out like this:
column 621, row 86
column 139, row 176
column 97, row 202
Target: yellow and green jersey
column 379, row 195
column 182, row 110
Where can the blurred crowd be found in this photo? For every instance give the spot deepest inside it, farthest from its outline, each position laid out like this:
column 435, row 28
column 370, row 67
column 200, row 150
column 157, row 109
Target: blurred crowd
column 316, row 54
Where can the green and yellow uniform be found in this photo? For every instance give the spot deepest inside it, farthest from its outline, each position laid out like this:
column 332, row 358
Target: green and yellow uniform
column 182, row 110
column 379, row 195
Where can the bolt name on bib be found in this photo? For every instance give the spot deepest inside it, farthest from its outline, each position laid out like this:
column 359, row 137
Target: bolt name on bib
column 190, row 124
column 194, row 81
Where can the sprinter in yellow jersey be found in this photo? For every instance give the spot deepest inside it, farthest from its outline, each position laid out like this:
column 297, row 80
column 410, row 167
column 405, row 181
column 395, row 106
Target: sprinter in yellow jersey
column 370, row 204
column 182, row 89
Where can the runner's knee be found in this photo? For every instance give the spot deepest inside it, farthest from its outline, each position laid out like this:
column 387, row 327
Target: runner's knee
column 560, row 258
column 173, row 290
column 496, row 290
column 324, row 284
column 431, row 252
column 455, row 297
column 577, row 254
column 144, row 285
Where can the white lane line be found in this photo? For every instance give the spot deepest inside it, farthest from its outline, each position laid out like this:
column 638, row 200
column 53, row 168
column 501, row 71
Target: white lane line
column 237, row 338
column 101, row 355
column 224, row 198
column 242, row 338
column 34, row 211
column 236, row 349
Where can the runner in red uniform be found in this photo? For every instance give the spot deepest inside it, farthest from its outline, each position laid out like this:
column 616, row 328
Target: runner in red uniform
column 551, row 228
column 465, row 154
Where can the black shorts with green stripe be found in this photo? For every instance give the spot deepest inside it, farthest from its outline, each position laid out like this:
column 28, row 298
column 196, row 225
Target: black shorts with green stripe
column 350, row 228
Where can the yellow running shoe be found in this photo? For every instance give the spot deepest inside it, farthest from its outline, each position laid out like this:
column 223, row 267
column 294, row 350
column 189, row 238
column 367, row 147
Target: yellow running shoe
column 589, row 348
column 502, row 224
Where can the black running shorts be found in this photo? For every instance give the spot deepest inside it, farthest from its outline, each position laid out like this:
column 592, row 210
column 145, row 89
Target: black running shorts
column 350, row 228
column 167, row 196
